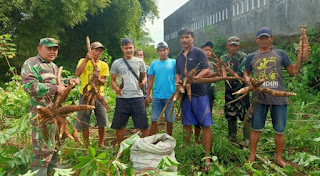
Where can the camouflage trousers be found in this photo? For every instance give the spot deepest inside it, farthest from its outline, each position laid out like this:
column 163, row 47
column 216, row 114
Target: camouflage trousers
column 43, row 143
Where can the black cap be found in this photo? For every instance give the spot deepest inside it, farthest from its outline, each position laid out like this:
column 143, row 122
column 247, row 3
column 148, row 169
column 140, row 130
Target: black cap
column 264, row 31
column 208, row 43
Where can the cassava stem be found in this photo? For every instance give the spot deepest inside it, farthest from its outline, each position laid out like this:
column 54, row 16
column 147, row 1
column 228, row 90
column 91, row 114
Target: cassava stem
column 210, row 80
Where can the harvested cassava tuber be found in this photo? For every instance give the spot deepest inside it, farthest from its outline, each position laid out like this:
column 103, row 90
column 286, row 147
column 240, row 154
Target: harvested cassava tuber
column 275, row 92
column 255, row 86
column 56, row 113
column 303, row 50
column 305, row 44
column 189, row 79
column 242, row 91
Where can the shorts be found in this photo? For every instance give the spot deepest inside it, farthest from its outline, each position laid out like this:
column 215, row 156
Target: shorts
column 126, row 107
column 84, row 116
column 157, row 106
column 197, row 112
column 278, row 115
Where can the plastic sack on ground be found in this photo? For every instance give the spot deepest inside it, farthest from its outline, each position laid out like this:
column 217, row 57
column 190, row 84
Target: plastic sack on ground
column 146, row 153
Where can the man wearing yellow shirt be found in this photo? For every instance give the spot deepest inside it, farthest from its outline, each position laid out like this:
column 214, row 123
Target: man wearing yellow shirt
column 85, row 71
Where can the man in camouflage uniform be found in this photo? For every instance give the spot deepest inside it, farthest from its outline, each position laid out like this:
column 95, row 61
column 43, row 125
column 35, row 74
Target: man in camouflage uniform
column 39, row 78
column 235, row 59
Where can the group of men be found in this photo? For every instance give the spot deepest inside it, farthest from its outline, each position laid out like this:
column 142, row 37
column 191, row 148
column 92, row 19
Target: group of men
column 39, row 75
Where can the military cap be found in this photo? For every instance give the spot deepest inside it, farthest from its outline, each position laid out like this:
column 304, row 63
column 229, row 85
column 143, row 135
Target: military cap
column 49, row 42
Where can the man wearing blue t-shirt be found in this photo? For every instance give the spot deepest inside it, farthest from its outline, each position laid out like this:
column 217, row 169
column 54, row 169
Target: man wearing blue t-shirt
column 163, row 72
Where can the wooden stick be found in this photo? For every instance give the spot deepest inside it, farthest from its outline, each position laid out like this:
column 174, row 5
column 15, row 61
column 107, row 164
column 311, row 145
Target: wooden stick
column 215, row 56
column 172, row 108
column 88, row 43
column 59, row 75
column 166, row 106
column 89, row 50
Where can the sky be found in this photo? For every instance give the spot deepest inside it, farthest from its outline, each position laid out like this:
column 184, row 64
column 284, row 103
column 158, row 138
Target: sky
column 166, row 8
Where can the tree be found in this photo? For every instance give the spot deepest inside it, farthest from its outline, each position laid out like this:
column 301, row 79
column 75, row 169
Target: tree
column 121, row 19
column 30, row 20
column 106, row 21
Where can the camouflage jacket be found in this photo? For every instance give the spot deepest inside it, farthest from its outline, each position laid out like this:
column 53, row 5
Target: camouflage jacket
column 39, row 79
column 236, row 63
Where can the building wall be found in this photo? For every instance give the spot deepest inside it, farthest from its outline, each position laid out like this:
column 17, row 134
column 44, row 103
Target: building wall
column 240, row 17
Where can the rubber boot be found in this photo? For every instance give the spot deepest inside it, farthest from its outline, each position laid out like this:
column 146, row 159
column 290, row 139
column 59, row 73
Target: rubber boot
column 54, row 163
column 246, row 132
column 232, row 130
column 42, row 171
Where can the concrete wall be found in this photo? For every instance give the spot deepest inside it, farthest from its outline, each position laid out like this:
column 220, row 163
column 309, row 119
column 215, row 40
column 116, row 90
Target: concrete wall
column 240, row 17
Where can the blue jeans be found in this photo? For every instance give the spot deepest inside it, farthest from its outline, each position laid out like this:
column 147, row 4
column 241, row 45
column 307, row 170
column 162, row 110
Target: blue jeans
column 278, row 115
column 157, row 106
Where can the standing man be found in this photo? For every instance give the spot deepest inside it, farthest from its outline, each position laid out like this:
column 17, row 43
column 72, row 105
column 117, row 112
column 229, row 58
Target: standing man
column 129, row 101
column 197, row 111
column 235, row 60
column 163, row 72
column 85, row 70
column 267, row 63
column 207, row 48
column 39, row 79
column 142, row 54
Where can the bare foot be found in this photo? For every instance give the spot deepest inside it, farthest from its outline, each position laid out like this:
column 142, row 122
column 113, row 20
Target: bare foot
column 207, row 165
column 251, row 158
column 280, row 162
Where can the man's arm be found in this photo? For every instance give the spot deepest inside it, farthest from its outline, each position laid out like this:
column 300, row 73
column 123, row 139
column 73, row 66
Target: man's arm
column 149, row 89
column 178, row 79
column 246, row 76
column 291, row 69
column 202, row 73
column 294, row 69
column 81, row 67
column 114, row 84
